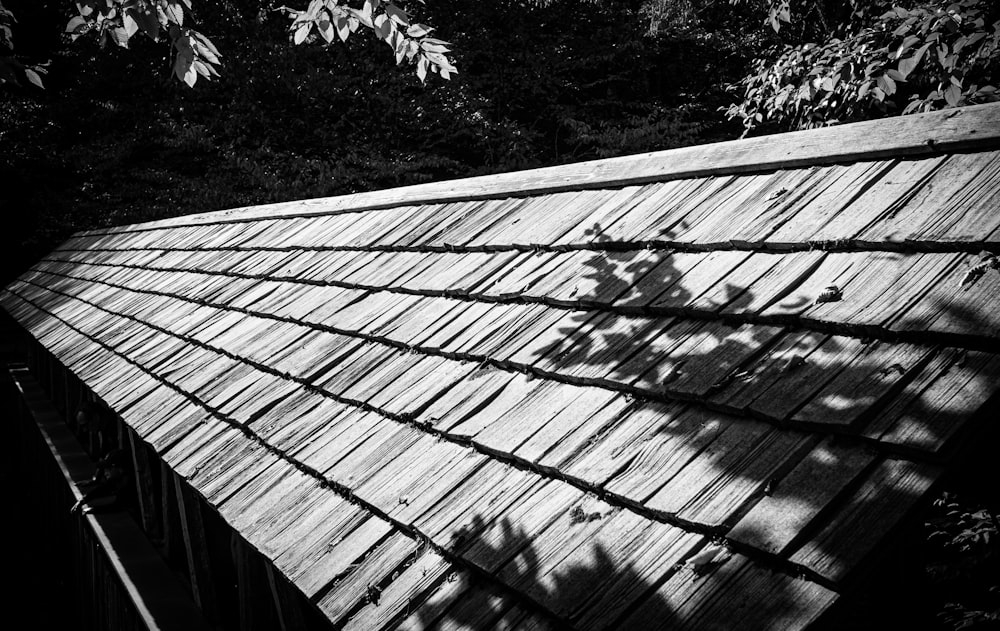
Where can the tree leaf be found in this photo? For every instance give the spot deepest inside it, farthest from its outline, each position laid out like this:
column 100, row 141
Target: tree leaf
column 183, row 61
column 174, row 12
column 953, row 95
column 422, row 69
column 433, row 48
column 128, row 21
column 419, row 30
column 343, row 27
column 908, row 65
column 301, row 32
column 201, row 68
column 887, row 85
column 119, row 36
column 33, row 77
column 907, row 44
column 383, row 27
column 146, row 19
column 207, row 43
column 76, row 24
column 204, row 48
column 396, row 14
column 325, row 28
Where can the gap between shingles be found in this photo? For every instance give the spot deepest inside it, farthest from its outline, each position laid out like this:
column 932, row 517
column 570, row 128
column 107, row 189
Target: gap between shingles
column 966, row 341
column 764, row 558
column 846, row 245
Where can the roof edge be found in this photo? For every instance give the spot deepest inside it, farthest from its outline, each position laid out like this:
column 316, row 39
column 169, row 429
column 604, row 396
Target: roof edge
column 931, row 133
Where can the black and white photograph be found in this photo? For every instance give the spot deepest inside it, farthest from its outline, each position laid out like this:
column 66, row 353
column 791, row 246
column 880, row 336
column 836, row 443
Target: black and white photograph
column 513, row 315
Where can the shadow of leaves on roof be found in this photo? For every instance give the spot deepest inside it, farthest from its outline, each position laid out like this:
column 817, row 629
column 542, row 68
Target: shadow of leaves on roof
column 593, row 588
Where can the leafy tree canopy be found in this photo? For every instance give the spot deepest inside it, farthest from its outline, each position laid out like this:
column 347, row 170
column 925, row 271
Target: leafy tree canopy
column 115, row 22
column 880, row 58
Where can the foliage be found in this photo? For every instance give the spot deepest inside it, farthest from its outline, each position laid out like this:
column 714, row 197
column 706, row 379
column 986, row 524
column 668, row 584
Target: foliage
column 409, row 40
column 115, row 22
column 963, row 563
column 11, row 67
column 931, row 55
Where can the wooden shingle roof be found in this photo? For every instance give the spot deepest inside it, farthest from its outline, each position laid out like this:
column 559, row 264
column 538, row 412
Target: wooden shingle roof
column 686, row 389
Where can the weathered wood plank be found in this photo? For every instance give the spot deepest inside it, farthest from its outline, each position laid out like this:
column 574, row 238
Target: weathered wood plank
column 489, row 544
column 601, row 344
column 612, row 450
column 716, row 352
column 465, row 397
column 863, row 383
column 419, row 477
column 408, row 394
column 886, row 495
column 803, row 375
column 506, row 430
column 594, row 569
column 792, row 502
column 459, row 214
column 523, row 395
column 372, row 455
column 571, row 430
column 759, row 281
column 327, row 550
column 738, row 594
column 144, row 488
column 724, row 486
column 331, row 443
column 458, row 603
column 756, row 205
column 646, row 462
column 641, row 560
column 951, row 307
column 483, row 498
column 372, row 567
column 933, row 408
column 841, row 195
column 952, row 196
column 665, row 209
column 886, row 286
column 404, row 593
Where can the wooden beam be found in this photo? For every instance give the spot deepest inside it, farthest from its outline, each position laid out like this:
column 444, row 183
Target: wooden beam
column 288, row 602
column 196, row 547
column 253, row 582
column 144, row 484
column 170, row 522
column 969, row 128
